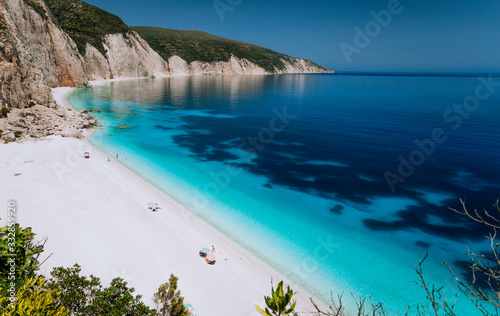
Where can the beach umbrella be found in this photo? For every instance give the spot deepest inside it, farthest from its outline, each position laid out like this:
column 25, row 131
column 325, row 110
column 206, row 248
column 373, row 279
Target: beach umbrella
column 189, row 308
column 210, row 258
column 204, row 252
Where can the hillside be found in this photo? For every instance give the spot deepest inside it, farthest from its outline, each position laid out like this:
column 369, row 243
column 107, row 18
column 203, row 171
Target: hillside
column 200, row 46
column 85, row 23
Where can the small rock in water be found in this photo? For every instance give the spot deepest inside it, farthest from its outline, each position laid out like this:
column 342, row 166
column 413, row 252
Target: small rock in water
column 122, row 127
column 337, row 209
column 268, row 185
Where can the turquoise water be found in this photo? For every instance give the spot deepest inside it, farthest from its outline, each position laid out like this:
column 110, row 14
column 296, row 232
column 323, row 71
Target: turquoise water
column 295, row 168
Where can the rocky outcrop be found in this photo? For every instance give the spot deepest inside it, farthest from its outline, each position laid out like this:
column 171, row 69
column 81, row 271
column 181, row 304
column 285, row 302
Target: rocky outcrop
column 178, row 66
column 40, row 121
column 297, row 65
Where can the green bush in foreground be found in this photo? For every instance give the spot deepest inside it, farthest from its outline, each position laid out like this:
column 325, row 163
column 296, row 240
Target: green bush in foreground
column 32, row 299
column 168, row 299
column 86, row 296
column 67, row 292
column 19, row 255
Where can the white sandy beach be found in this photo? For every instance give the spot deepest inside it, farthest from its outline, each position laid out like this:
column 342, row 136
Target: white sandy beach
column 94, row 213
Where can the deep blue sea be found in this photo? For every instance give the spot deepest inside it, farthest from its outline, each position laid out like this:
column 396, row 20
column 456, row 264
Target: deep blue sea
column 340, row 182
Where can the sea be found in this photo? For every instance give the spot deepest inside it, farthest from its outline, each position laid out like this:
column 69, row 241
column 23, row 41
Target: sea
column 341, row 182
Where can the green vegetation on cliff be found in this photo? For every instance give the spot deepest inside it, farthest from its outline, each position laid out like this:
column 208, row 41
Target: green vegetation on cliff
column 85, row 23
column 38, row 8
column 204, row 47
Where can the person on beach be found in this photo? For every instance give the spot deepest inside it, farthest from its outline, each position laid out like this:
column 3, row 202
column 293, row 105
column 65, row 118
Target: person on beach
column 116, row 155
column 109, row 160
column 213, row 249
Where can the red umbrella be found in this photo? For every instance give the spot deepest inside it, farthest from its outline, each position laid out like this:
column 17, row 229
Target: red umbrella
column 210, row 258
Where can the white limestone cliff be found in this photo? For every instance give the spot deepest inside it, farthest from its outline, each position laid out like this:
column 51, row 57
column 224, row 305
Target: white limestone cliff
column 35, row 55
column 130, row 56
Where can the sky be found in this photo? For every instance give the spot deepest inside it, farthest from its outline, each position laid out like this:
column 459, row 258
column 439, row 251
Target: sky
column 439, row 36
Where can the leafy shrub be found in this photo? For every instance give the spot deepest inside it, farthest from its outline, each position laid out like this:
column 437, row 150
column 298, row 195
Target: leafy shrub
column 279, row 303
column 31, row 104
column 26, row 253
column 33, row 299
column 4, row 112
column 168, row 299
column 17, row 134
column 85, row 296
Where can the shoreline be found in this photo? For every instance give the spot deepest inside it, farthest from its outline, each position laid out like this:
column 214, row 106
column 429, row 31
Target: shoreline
column 115, row 206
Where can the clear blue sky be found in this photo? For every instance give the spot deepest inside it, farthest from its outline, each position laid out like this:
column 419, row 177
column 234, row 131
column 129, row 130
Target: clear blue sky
column 422, row 35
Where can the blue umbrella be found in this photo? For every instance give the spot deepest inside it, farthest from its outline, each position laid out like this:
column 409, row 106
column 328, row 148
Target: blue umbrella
column 189, row 308
column 204, row 252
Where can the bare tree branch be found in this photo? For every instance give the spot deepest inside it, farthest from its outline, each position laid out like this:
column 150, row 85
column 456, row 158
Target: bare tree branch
column 477, row 217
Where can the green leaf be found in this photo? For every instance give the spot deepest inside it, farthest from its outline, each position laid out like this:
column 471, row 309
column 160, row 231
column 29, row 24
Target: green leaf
column 279, row 301
column 289, row 311
column 260, row 310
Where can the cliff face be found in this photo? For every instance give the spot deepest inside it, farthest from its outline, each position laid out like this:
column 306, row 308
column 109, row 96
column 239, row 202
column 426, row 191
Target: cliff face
column 238, row 66
column 131, row 56
column 36, row 56
column 126, row 56
column 234, row 66
column 297, row 65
